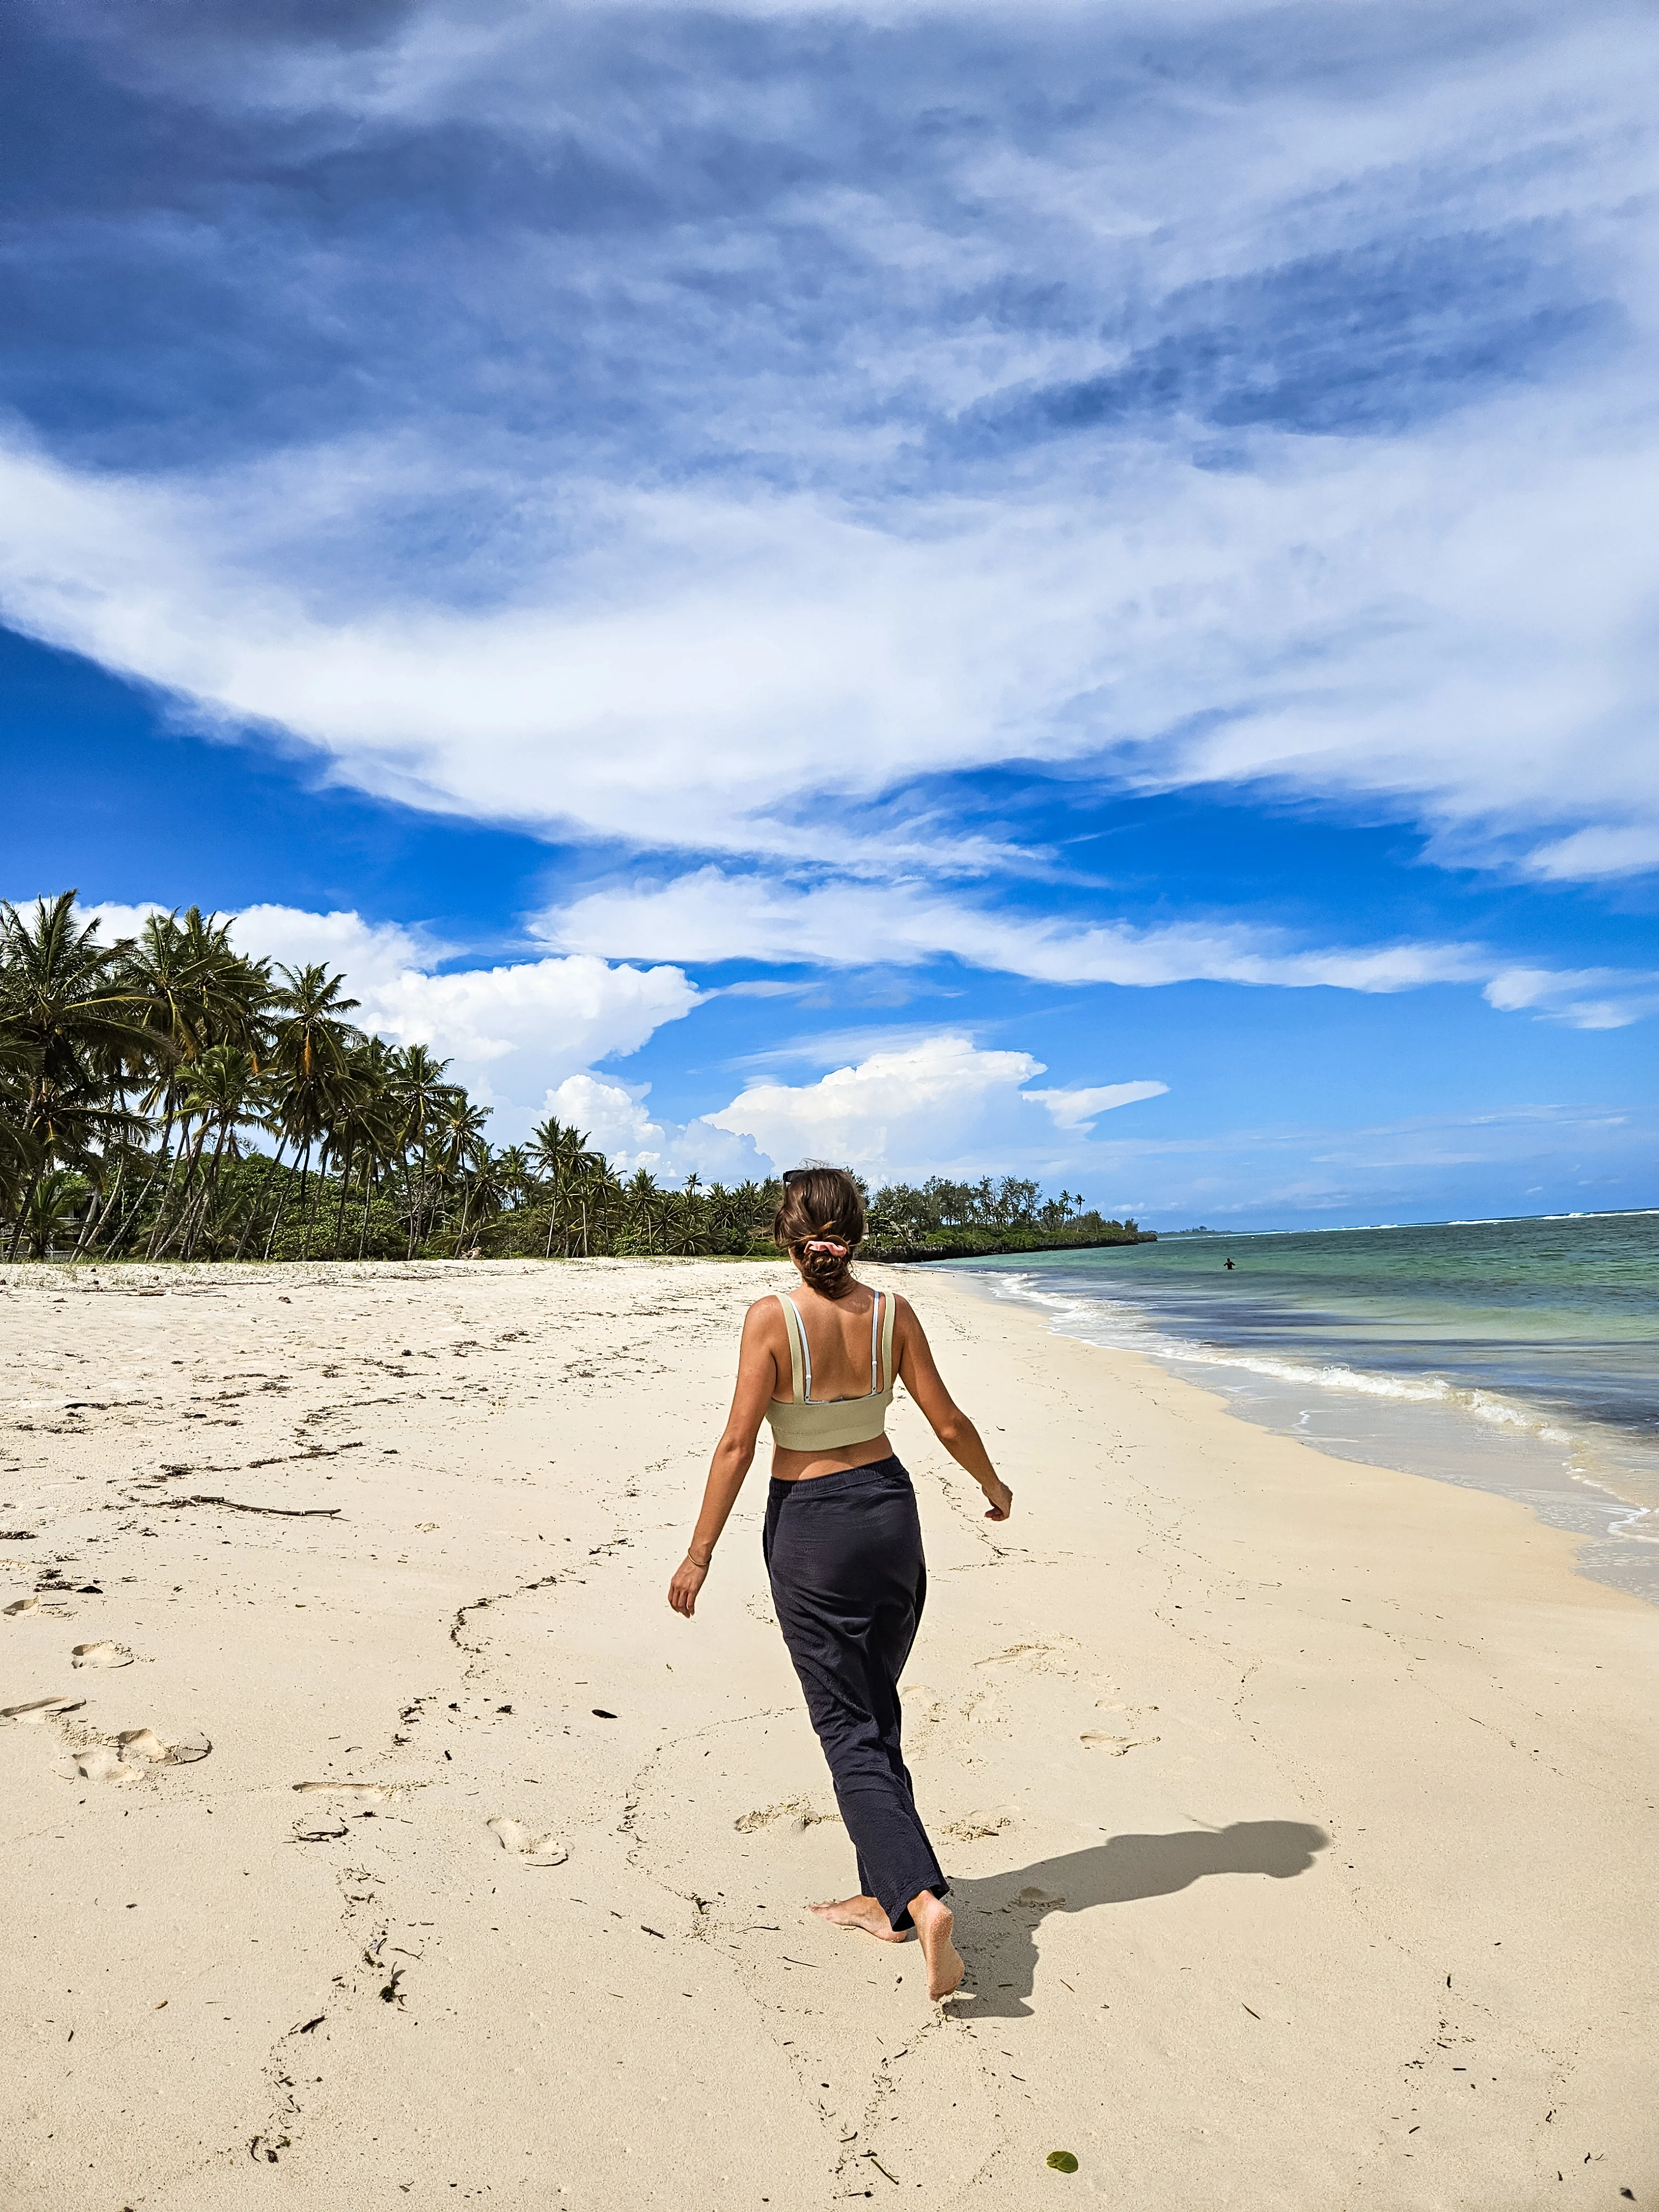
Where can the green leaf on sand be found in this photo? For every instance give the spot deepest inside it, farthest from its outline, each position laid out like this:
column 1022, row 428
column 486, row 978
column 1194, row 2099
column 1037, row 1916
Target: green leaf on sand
column 1062, row 2161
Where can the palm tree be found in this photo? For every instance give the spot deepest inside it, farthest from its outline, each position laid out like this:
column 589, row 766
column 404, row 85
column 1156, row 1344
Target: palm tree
column 365, row 1128
column 602, row 1192
column 68, row 1022
column 643, row 1201
column 482, row 1191
column 562, row 1152
column 51, row 1208
column 516, row 1175
column 311, row 1051
column 226, row 1095
column 196, row 992
column 420, row 1095
column 18, row 1153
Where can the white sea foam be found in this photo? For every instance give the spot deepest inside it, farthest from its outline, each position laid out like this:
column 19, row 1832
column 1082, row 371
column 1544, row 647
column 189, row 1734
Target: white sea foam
column 1118, row 1325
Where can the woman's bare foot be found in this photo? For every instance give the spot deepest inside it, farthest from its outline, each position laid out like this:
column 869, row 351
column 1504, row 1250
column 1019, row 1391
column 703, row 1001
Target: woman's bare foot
column 934, row 1923
column 859, row 1912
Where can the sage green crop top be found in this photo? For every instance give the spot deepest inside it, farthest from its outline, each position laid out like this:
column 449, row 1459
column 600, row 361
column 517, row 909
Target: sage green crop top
column 803, row 1423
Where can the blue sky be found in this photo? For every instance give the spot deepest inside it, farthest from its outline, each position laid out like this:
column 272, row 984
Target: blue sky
column 950, row 587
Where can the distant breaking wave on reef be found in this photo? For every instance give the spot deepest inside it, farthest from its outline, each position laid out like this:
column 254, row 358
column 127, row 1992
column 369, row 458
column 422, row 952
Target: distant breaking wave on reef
column 1520, row 1355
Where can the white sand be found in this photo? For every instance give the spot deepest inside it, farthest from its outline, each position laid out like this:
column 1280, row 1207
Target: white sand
column 1300, row 1814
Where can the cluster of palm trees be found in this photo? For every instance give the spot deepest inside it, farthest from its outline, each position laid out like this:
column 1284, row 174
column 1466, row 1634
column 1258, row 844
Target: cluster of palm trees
column 165, row 1096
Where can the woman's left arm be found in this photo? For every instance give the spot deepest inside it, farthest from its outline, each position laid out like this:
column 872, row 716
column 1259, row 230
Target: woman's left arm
column 733, row 1456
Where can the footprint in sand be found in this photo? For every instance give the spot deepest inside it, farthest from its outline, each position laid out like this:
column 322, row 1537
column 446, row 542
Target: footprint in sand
column 24, row 1605
column 795, row 1811
column 144, row 1743
column 100, row 1655
column 342, row 1790
column 98, row 1762
column 975, row 1827
column 529, row 1850
column 135, row 1753
column 1096, row 1740
column 40, row 1709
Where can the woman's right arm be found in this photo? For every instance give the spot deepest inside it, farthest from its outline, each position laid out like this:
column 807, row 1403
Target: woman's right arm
column 734, row 1455
column 921, row 1379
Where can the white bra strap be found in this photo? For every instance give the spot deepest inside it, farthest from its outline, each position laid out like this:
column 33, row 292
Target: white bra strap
column 804, row 1359
column 797, row 1336
column 887, row 1376
column 875, row 1372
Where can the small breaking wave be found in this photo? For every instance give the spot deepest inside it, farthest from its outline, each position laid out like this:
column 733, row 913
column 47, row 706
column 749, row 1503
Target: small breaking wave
column 1121, row 1325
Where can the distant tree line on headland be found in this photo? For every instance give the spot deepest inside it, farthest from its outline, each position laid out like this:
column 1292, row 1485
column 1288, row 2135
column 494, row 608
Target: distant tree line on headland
column 137, row 1078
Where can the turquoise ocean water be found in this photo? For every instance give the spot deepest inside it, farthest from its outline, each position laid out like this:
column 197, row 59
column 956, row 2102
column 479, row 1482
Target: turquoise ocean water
column 1515, row 1356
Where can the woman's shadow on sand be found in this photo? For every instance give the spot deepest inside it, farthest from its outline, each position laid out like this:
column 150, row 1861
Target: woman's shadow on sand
column 997, row 1918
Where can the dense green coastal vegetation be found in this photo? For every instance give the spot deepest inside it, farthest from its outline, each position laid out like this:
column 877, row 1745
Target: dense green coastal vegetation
column 165, row 1098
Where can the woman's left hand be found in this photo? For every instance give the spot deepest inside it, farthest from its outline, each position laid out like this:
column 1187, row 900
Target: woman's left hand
column 689, row 1579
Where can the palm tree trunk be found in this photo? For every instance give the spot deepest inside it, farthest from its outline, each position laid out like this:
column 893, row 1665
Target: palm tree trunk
column 339, row 1212
column 209, row 1187
column 186, row 1208
column 116, row 1244
column 166, row 1193
column 264, row 1192
column 362, row 1226
column 23, row 1208
column 97, row 1215
column 282, row 1202
column 413, row 1194
column 316, row 1200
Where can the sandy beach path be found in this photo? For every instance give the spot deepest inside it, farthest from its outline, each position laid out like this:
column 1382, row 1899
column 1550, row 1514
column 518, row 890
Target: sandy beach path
column 1300, row 1815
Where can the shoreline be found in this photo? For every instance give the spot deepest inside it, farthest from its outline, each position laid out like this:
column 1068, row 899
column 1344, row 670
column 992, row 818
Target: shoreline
column 1502, row 1445
column 1298, row 1813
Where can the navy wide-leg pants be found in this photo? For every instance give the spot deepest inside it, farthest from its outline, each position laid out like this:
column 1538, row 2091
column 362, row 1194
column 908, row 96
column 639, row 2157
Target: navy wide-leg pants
column 848, row 1581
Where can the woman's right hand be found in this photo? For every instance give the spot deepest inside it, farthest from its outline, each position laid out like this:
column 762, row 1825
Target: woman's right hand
column 689, row 1579
column 1001, row 1499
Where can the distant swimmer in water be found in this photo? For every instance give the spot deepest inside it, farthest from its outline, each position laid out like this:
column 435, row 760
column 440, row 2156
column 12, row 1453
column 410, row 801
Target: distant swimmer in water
column 1230, row 1267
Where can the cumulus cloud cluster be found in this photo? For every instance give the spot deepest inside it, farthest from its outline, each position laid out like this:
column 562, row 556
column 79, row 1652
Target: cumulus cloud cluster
column 513, row 1032
column 941, row 1100
column 524, row 1037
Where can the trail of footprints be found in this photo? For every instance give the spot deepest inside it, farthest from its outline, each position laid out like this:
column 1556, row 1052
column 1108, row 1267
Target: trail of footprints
column 89, row 1755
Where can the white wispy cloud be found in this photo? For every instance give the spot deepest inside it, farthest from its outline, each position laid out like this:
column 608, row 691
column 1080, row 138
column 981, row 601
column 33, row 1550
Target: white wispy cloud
column 910, row 502
column 1359, row 617
column 1584, row 998
column 711, row 915
column 1081, row 1109
column 1603, row 850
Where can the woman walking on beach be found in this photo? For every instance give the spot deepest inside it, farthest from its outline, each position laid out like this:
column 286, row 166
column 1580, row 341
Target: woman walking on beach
column 842, row 1541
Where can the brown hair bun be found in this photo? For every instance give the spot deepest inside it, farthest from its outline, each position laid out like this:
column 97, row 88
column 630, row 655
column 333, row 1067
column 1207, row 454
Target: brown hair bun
column 821, row 1205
